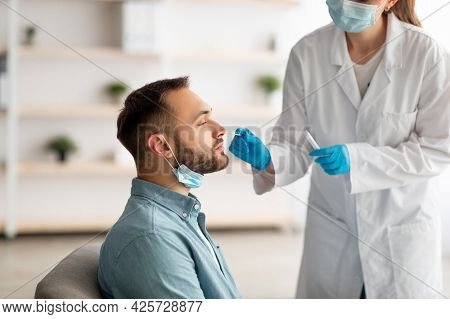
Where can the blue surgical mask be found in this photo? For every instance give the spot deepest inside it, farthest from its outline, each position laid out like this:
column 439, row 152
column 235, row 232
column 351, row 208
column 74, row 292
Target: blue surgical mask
column 352, row 16
column 184, row 175
column 188, row 177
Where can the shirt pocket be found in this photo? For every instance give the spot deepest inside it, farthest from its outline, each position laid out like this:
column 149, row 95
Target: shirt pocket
column 395, row 128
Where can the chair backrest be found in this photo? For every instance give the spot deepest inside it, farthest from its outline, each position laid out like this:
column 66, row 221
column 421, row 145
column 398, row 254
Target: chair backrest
column 75, row 277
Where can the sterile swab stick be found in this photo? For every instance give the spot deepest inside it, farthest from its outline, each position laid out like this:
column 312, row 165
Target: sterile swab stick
column 311, row 140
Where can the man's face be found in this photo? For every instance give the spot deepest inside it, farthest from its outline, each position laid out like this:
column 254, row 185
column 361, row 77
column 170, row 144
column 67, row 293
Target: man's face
column 198, row 138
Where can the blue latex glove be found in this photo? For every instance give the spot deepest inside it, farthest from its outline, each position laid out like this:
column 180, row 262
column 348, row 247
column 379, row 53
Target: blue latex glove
column 249, row 148
column 334, row 160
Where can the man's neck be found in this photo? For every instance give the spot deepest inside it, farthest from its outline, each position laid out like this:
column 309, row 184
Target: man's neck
column 167, row 181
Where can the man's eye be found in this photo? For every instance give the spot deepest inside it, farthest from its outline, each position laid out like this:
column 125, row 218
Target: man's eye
column 202, row 123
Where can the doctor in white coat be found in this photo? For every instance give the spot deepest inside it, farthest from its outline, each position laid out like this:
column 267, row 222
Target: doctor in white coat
column 373, row 88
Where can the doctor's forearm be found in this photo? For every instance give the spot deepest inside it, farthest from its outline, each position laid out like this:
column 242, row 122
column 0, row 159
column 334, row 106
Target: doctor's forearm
column 376, row 168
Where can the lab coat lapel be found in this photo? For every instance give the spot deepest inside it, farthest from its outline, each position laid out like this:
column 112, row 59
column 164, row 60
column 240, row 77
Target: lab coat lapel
column 393, row 58
column 380, row 81
column 345, row 77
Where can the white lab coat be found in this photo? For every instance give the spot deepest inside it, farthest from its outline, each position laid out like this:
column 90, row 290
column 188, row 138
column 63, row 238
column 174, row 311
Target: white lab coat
column 398, row 137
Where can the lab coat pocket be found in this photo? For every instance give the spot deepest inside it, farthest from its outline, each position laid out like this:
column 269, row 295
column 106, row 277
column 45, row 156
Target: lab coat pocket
column 416, row 254
column 395, row 128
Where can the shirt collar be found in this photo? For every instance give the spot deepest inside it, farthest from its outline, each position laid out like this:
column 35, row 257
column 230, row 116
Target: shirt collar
column 183, row 206
column 393, row 45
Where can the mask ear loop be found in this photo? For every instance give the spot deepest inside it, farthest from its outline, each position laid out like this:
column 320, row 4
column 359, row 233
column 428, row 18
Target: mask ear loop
column 172, row 153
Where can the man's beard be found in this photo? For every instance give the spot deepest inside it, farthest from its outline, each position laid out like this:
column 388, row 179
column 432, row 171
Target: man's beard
column 198, row 161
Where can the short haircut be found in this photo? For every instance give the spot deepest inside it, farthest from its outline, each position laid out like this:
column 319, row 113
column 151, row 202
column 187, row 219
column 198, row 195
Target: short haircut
column 146, row 109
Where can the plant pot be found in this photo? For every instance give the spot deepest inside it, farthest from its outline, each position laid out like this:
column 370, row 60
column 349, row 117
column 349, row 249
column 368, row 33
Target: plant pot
column 29, row 42
column 62, row 156
column 274, row 100
column 118, row 99
column 30, row 37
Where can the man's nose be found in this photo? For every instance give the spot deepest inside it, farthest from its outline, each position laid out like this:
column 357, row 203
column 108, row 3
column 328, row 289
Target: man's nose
column 220, row 131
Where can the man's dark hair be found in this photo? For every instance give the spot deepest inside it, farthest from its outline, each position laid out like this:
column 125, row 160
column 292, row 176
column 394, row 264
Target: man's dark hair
column 146, row 111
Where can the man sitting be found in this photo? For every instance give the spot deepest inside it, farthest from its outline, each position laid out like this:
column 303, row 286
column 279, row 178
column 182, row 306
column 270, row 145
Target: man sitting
column 159, row 247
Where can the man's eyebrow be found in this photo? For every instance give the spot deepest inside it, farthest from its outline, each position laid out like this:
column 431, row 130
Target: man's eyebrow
column 202, row 112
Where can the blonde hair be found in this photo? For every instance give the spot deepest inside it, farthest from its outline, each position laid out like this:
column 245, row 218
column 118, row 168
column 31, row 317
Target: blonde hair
column 405, row 11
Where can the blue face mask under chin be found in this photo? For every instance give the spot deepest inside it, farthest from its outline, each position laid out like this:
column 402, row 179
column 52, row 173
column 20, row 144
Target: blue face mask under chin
column 188, row 177
column 352, row 16
column 184, row 175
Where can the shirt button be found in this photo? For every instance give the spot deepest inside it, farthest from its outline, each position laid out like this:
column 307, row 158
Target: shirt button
column 196, row 206
column 184, row 215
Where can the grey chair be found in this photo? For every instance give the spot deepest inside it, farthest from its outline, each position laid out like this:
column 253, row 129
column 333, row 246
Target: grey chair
column 75, row 277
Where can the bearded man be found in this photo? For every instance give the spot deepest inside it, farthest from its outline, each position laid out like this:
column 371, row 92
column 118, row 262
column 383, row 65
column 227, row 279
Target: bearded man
column 159, row 247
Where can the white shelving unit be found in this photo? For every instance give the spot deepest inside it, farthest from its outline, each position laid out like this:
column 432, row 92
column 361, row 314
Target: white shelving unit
column 10, row 165
column 14, row 168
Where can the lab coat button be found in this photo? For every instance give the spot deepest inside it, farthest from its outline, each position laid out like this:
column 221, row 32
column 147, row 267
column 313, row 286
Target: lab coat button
column 196, row 206
column 184, row 215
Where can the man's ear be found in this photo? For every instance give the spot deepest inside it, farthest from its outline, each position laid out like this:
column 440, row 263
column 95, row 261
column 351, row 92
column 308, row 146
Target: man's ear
column 158, row 146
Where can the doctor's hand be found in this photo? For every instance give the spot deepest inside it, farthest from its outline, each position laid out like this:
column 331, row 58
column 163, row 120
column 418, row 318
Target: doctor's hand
column 334, row 160
column 249, row 148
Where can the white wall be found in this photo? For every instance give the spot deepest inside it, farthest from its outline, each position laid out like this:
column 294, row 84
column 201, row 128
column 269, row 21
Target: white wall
column 190, row 28
column 64, row 82
column 435, row 19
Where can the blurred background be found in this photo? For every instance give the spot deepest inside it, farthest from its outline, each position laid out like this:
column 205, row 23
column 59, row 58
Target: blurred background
column 64, row 177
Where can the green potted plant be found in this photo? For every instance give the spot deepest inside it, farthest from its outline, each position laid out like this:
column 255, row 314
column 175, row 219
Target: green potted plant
column 116, row 91
column 30, row 34
column 270, row 85
column 61, row 145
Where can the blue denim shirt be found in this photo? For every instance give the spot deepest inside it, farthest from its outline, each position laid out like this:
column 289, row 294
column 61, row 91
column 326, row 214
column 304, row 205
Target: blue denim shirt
column 154, row 252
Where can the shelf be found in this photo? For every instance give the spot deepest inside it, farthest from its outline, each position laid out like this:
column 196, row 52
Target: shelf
column 74, row 168
column 81, row 168
column 231, row 56
column 71, row 111
column 215, row 221
column 111, row 52
column 89, row 52
column 244, row 112
column 69, row 223
column 273, row 2
column 277, row 219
